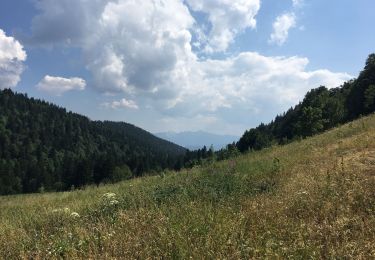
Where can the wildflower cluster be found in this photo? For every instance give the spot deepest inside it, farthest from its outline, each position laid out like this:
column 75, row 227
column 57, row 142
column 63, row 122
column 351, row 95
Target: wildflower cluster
column 66, row 212
column 110, row 199
column 109, row 205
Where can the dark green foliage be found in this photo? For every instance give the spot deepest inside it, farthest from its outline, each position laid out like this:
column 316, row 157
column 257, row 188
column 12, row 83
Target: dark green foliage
column 311, row 121
column 369, row 104
column 256, row 139
column 320, row 110
column 44, row 147
column 121, row 173
column 198, row 157
column 357, row 102
column 230, row 151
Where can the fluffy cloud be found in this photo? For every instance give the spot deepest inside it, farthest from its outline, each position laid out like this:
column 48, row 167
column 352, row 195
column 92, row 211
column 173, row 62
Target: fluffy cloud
column 123, row 103
column 283, row 23
column 144, row 49
column 281, row 27
column 128, row 45
column 138, row 45
column 226, row 18
column 57, row 86
column 252, row 82
column 12, row 56
column 65, row 21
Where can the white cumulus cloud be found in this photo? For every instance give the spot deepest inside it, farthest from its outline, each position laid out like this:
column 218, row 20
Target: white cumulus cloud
column 227, row 18
column 250, row 81
column 123, row 103
column 281, row 27
column 65, row 21
column 12, row 56
column 57, row 85
column 138, row 44
column 144, row 49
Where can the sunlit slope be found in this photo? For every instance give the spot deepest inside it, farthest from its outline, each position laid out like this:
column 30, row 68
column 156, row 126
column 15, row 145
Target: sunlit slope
column 313, row 198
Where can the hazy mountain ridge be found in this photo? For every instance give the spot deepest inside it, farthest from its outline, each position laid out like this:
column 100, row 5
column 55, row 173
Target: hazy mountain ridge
column 193, row 140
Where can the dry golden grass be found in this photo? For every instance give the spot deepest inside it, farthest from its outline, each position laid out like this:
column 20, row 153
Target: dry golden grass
column 311, row 199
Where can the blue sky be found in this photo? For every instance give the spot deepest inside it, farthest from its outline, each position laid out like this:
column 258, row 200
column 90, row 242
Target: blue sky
column 170, row 65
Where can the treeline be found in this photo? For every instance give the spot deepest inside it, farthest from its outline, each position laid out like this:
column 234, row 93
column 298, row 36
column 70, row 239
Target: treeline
column 208, row 155
column 321, row 109
column 44, row 147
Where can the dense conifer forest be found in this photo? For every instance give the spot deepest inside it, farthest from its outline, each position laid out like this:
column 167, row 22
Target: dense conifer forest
column 44, row 147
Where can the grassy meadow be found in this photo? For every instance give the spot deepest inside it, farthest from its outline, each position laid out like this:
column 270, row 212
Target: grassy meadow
column 311, row 199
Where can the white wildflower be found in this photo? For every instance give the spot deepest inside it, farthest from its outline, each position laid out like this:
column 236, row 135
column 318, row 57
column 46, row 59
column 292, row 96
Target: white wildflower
column 303, row 193
column 74, row 215
column 61, row 210
column 109, row 196
column 113, row 202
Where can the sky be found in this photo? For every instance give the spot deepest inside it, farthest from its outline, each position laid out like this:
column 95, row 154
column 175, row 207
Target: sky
column 221, row 66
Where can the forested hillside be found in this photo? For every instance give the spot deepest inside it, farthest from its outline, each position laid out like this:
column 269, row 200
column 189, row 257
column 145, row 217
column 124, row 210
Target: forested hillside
column 44, row 147
column 321, row 109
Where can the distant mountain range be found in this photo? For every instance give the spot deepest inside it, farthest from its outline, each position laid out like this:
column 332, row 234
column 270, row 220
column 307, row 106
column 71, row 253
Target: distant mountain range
column 196, row 140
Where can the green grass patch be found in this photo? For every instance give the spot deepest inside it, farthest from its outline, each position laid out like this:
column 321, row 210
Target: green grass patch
column 310, row 199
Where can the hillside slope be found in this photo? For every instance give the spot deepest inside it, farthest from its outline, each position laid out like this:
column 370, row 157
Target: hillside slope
column 320, row 110
column 309, row 199
column 43, row 146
